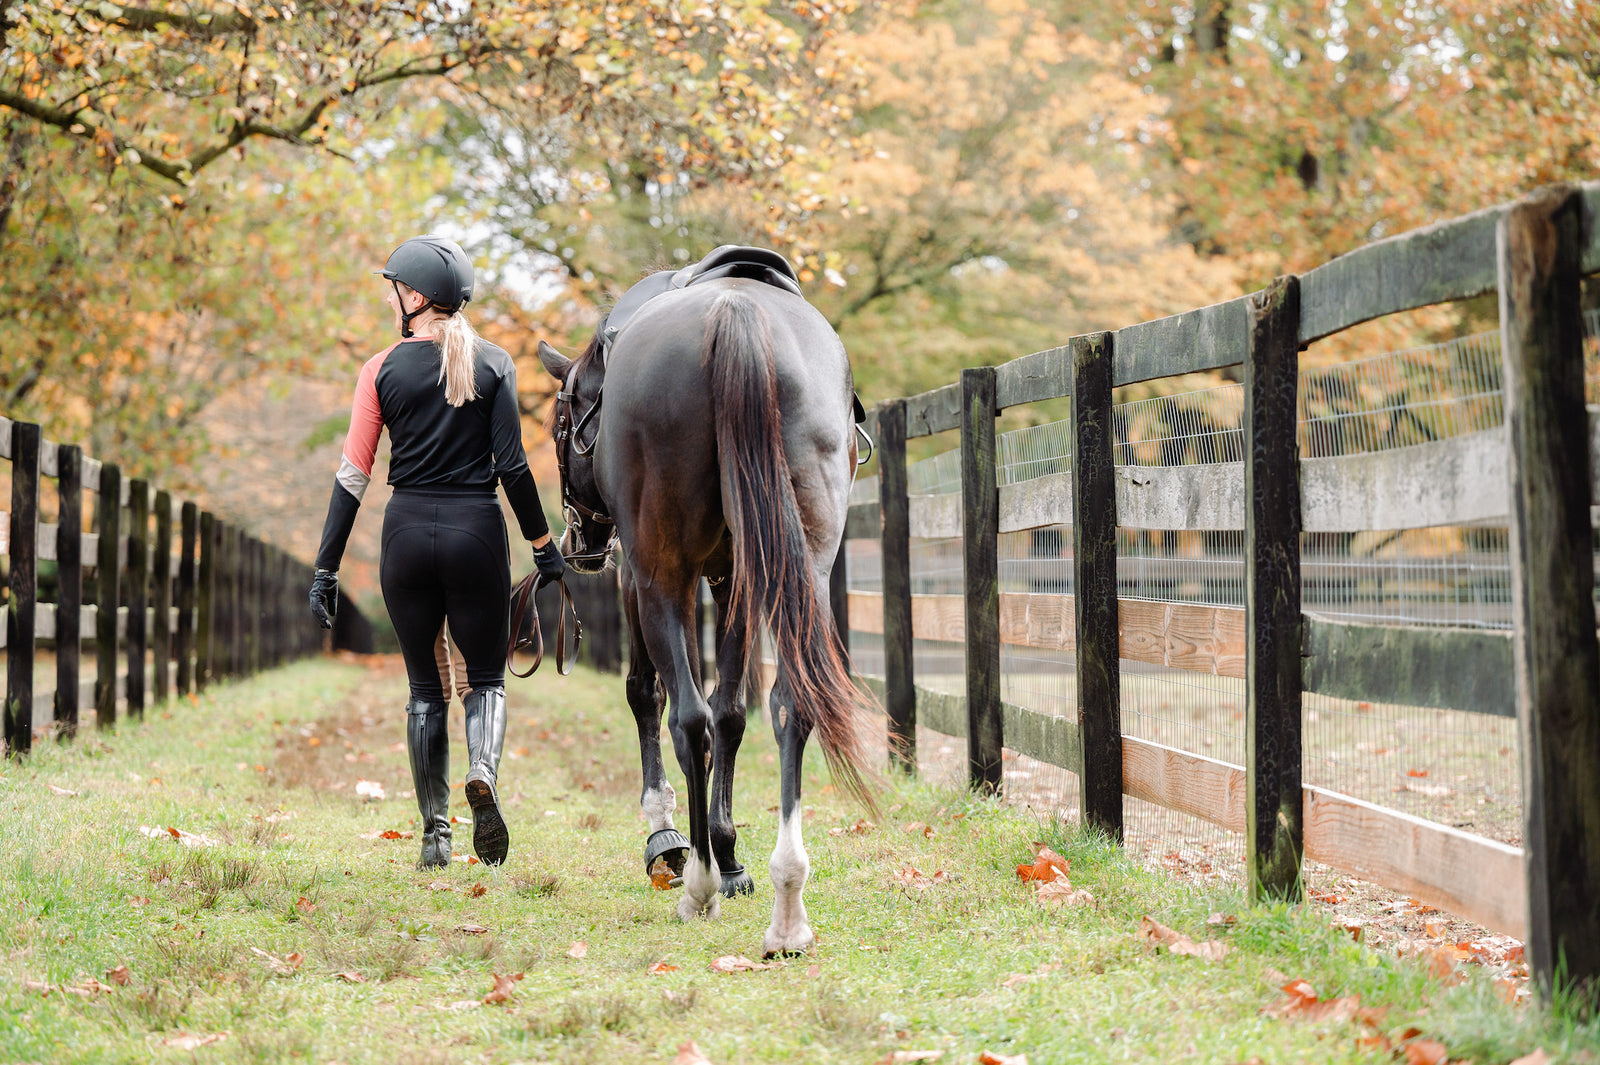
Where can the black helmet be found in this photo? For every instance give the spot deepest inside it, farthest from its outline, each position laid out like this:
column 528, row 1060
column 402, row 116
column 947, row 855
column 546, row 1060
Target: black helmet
column 435, row 267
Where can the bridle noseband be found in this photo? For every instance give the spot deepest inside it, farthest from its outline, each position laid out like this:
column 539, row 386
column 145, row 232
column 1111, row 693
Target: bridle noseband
column 569, row 434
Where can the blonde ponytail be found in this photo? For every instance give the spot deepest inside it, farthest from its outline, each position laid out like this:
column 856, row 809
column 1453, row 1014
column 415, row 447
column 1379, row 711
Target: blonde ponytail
column 456, row 340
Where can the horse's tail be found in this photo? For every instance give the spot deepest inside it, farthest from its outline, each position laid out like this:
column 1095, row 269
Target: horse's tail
column 773, row 583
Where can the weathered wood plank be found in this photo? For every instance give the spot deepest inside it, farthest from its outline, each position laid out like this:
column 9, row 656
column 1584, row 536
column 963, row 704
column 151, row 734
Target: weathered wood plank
column 1468, row 875
column 1046, row 737
column 69, row 587
column 22, row 606
column 1188, row 636
column 1094, row 557
column 980, row 531
column 1043, row 375
column 932, row 412
column 1450, row 669
column 1272, row 594
column 935, row 517
column 1552, row 580
column 1189, row 783
column 1204, row 339
column 894, row 612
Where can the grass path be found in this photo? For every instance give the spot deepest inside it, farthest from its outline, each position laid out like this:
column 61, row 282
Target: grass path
column 300, row 933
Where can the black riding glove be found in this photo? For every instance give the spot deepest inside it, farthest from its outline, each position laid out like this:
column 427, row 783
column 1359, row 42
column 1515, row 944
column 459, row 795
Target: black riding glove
column 325, row 596
column 552, row 567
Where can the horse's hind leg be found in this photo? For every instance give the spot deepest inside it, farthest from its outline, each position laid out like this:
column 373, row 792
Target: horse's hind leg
column 666, row 611
column 727, row 732
column 790, row 931
column 646, row 699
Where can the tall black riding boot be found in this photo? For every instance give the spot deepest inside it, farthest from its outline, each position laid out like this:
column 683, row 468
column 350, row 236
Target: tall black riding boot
column 486, row 734
column 428, row 741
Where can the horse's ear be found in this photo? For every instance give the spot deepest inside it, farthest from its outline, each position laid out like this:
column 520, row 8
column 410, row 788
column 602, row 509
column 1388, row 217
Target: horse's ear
column 554, row 361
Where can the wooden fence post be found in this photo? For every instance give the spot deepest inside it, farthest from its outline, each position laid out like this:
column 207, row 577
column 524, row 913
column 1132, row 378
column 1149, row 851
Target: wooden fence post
column 899, row 678
column 69, row 586
column 138, row 590
column 1275, row 801
column 1094, row 564
column 839, row 595
column 108, row 587
column 206, row 608
column 161, row 599
column 980, row 549
column 253, row 588
column 22, row 608
column 1552, row 583
column 188, row 519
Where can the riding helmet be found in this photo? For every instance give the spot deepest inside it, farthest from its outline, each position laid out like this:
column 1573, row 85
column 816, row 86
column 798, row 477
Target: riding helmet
column 435, row 267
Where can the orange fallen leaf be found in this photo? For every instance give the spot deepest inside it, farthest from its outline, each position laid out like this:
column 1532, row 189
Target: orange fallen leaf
column 918, row 826
column 579, row 949
column 1300, row 1002
column 989, row 1057
column 119, row 975
column 738, row 963
column 476, row 891
column 350, row 977
column 860, row 828
column 661, row 968
column 689, row 1054
column 192, row 1040
column 1222, row 919
column 661, row 875
column 503, row 986
column 1047, row 865
column 392, row 834
column 305, row 905
column 472, row 929
column 1060, row 892
column 1426, row 1052
column 1157, row 933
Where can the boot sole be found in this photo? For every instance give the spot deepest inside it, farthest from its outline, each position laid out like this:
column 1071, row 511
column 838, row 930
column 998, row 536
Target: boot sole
column 490, row 840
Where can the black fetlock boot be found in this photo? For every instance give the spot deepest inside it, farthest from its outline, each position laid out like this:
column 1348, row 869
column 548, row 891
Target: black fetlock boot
column 486, row 734
column 428, row 741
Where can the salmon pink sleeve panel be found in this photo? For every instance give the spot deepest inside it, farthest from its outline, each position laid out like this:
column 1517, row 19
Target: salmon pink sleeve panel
column 355, row 467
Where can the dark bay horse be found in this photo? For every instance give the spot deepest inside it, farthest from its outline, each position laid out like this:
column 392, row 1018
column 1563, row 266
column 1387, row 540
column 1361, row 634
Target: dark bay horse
column 715, row 431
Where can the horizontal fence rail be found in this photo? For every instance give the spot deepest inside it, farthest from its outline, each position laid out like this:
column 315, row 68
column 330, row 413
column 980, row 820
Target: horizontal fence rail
column 1289, row 458
column 168, row 596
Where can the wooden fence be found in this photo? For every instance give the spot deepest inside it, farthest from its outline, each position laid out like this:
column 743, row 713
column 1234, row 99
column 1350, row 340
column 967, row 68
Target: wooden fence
column 166, row 609
column 1535, row 473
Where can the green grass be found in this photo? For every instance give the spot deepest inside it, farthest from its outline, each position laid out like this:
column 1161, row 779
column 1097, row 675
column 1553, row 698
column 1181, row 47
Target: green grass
column 83, row 890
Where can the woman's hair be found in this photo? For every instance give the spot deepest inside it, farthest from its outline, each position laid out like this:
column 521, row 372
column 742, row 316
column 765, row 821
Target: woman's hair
column 456, row 340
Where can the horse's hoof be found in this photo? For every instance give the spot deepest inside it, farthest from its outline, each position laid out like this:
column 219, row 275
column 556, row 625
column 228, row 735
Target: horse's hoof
column 736, row 882
column 689, row 910
column 667, row 845
column 780, row 945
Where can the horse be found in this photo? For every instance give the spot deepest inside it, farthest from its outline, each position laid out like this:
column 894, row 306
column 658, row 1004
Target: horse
column 724, row 449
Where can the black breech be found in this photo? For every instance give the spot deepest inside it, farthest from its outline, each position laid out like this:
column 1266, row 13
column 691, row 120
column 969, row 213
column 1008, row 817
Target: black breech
column 445, row 558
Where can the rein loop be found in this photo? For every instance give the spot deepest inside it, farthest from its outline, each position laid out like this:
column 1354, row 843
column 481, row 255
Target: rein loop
column 521, row 604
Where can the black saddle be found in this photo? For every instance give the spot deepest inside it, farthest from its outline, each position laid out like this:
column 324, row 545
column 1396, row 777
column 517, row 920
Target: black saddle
column 728, row 260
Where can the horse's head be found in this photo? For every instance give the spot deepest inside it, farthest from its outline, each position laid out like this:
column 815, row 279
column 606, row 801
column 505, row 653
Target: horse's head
column 590, row 531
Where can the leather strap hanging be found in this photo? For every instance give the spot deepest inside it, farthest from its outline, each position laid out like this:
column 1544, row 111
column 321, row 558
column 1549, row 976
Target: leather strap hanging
column 521, row 605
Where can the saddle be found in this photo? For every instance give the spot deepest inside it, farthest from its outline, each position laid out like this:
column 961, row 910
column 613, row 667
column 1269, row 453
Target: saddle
column 729, row 260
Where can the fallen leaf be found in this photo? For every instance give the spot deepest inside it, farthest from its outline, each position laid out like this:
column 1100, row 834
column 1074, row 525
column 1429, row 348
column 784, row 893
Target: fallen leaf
column 1178, row 943
column 1221, row 919
column 1426, row 1052
column 392, row 834
column 1300, row 1002
column 1061, row 893
column 440, row 885
column 813, row 970
column 503, row 986
column 119, row 975
column 738, row 963
column 1538, row 1057
column 476, row 891
column 91, row 986
column 689, row 1054
column 918, row 826
column 579, row 949
column 989, row 1057
column 1431, row 790
column 860, row 828
column 661, row 968
column 61, row 791
column 350, row 977
column 661, row 875
column 305, row 905
column 461, row 1005
column 283, row 966
column 900, row 1056
column 192, row 1040
column 472, row 929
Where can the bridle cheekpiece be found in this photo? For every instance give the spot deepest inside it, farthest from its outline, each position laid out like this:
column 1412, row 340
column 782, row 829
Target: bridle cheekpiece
column 569, row 434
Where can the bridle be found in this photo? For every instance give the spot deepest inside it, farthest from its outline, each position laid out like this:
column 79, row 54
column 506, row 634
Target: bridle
column 569, row 434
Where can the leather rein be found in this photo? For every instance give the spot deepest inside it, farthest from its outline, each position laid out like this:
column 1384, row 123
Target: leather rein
column 569, row 435
column 521, row 605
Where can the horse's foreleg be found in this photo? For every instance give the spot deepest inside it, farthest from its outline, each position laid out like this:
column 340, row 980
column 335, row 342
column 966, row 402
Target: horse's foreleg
column 665, row 618
column 790, row 932
column 727, row 730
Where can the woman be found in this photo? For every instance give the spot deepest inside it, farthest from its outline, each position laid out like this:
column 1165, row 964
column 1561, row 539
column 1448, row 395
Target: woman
column 449, row 400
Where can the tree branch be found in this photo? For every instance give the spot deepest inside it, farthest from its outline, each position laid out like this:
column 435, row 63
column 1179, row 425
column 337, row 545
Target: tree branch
column 206, row 24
